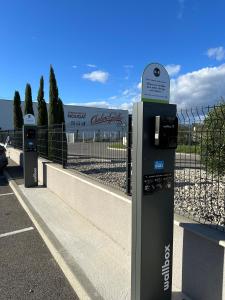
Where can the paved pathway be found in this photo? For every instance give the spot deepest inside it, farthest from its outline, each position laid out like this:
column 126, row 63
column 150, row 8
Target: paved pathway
column 27, row 268
column 96, row 266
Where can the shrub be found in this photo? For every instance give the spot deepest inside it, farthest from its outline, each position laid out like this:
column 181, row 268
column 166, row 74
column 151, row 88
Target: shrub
column 213, row 140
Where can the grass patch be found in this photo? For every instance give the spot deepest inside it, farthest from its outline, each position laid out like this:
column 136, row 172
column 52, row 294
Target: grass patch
column 188, row 149
column 118, row 146
column 180, row 148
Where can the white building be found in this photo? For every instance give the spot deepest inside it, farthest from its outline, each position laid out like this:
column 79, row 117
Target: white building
column 78, row 119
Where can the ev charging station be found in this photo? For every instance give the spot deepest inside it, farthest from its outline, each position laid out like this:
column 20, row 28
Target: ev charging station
column 154, row 141
column 30, row 155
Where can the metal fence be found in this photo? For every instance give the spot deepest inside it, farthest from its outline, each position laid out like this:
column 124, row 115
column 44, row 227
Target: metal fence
column 102, row 154
column 15, row 138
column 99, row 154
column 200, row 165
column 106, row 156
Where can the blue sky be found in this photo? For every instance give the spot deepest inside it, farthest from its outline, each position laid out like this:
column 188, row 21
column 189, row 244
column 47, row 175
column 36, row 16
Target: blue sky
column 99, row 48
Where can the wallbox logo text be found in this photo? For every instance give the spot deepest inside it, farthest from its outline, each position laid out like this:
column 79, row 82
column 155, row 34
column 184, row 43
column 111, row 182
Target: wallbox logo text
column 166, row 268
column 35, row 175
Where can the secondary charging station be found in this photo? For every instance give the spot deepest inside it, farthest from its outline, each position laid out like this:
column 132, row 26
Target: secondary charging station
column 30, row 155
column 154, row 141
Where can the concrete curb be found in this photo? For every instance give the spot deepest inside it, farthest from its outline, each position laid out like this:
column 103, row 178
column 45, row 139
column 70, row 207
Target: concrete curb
column 51, row 242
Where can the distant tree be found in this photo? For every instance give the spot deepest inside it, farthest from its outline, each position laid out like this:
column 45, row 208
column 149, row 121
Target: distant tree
column 42, row 107
column 18, row 121
column 17, row 112
column 213, row 139
column 61, row 120
column 61, row 117
column 42, row 121
column 54, row 129
column 28, row 105
column 53, row 98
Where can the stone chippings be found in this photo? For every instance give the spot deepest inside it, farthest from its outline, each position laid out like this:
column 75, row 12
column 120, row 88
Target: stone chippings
column 199, row 195
column 111, row 172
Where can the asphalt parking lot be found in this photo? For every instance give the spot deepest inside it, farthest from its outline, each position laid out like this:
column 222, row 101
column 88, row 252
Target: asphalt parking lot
column 27, row 268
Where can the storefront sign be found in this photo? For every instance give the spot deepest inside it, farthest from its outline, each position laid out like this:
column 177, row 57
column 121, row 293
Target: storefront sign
column 76, row 115
column 109, row 119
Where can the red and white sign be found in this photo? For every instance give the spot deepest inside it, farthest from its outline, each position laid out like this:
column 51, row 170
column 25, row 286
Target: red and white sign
column 111, row 118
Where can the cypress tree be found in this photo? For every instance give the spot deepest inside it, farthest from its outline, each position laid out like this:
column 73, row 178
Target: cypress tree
column 54, row 141
column 42, row 107
column 61, row 118
column 53, row 98
column 18, row 121
column 17, row 112
column 28, row 105
column 42, row 121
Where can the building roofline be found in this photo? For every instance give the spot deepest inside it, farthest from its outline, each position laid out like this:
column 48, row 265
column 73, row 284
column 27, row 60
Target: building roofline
column 92, row 107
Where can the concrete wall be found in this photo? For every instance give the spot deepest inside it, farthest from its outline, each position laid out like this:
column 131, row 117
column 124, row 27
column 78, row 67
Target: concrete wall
column 198, row 260
column 107, row 210
column 15, row 155
column 202, row 267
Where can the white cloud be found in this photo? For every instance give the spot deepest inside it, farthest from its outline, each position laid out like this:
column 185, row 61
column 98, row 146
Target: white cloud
column 99, row 76
column 130, row 92
column 123, row 102
column 133, row 95
column 105, row 104
column 125, row 93
column 128, row 105
column 217, row 53
column 139, row 85
column 101, row 104
column 173, row 69
column 91, row 66
column 203, row 87
column 74, row 66
column 199, row 88
column 113, row 97
column 127, row 69
column 127, row 98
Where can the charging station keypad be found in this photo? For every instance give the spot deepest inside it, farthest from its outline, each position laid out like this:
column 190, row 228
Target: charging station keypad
column 157, row 182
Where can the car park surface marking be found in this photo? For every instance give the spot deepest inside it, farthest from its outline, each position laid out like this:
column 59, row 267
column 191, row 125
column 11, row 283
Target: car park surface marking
column 16, row 232
column 6, row 194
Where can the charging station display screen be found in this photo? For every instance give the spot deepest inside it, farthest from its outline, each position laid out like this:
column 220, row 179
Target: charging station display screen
column 166, row 132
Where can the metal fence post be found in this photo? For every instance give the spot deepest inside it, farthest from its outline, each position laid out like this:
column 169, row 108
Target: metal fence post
column 128, row 158
column 13, row 139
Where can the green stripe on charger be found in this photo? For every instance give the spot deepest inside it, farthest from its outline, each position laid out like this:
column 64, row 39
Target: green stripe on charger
column 155, row 100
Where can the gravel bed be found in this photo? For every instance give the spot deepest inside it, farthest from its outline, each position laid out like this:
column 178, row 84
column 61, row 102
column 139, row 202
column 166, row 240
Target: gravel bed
column 111, row 172
column 198, row 194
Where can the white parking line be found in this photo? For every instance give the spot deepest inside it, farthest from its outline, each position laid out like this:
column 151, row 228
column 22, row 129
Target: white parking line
column 16, row 231
column 7, row 194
